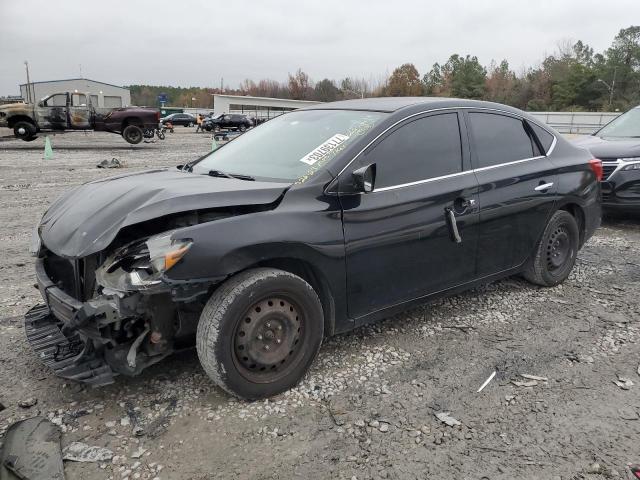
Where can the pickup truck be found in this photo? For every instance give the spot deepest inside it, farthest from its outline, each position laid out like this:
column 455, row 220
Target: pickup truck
column 74, row 111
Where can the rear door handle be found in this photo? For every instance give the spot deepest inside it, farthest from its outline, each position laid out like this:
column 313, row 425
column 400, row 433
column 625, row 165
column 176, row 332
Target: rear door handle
column 453, row 225
column 543, row 187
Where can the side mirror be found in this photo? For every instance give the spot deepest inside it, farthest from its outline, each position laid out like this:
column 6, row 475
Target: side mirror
column 364, row 178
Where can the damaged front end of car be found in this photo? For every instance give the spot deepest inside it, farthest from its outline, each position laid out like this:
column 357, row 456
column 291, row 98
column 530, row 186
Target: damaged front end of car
column 113, row 315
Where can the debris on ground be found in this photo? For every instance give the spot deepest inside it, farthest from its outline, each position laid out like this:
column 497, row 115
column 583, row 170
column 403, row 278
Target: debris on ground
column 486, row 382
column 31, row 450
column 81, row 452
column 531, row 383
column 28, row 402
column 534, row 377
column 623, row 382
column 113, row 163
column 445, row 418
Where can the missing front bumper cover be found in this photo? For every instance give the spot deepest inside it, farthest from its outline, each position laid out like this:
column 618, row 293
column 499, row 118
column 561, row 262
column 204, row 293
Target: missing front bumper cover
column 68, row 358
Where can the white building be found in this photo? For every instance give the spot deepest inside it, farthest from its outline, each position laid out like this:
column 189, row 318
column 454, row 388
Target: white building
column 258, row 107
column 102, row 94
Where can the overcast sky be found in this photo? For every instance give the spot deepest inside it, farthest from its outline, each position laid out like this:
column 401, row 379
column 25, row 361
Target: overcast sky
column 195, row 43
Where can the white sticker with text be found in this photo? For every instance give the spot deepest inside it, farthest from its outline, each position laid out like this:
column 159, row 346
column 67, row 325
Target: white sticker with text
column 324, row 149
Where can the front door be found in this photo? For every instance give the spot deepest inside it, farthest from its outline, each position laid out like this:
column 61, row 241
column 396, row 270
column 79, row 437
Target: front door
column 399, row 240
column 518, row 186
column 79, row 112
column 51, row 112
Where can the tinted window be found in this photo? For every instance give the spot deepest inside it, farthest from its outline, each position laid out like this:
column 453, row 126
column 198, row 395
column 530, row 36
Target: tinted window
column 546, row 139
column 425, row 148
column 499, row 139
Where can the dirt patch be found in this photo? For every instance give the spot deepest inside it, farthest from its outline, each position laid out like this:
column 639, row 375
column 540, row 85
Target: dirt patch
column 368, row 407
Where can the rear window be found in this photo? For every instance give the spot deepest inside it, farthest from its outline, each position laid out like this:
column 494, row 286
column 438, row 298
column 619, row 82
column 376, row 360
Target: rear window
column 499, row 139
column 546, row 139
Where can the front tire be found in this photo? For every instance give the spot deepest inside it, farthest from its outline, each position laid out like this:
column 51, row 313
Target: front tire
column 133, row 134
column 556, row 253
column 24, row 130
column 259, row 332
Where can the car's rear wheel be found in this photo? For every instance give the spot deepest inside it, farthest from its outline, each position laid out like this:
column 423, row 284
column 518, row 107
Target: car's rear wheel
column 133, row 134
column 556, row 251
column 24, row 130
column 243, row 128
column 259, row 332
column 216, row 128
column 190, row 124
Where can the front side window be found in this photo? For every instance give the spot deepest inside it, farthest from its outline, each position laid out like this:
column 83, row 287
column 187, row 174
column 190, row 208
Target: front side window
column 499, row 139
column 626, row 125
column 58, row 100
column 79, row 100
column 421, row 149
column 292, row 146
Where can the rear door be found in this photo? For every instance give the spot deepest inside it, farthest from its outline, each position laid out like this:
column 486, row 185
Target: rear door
column 79, row 112
column 518, row 186
column 399, row 244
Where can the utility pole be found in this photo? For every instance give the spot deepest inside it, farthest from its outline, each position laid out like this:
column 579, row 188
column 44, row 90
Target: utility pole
column 26, row 65
column 221, row 84
column 613, row 85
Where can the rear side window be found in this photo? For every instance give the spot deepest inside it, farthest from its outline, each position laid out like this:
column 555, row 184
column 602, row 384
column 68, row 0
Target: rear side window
column 425, row 148
column 499, row 139
column 546, row 139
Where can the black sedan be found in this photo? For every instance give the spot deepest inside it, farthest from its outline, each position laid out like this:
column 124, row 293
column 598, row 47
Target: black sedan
column 617, row 144
column 184, row 119
column 316, row 222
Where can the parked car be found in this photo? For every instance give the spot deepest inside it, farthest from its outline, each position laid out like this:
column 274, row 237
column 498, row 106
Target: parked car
column 184, row 119
column 617, row 144
column 74, row 111
column 227, row 121
column 316, row 222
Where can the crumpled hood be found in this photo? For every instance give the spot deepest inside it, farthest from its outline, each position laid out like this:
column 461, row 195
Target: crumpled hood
column 607, row 147
column 86, row 219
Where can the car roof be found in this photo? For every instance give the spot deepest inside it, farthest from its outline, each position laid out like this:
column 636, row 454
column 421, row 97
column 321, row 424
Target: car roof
column 392, row 104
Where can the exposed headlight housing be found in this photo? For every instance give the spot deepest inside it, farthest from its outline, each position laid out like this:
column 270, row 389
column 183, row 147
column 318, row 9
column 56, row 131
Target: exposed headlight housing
column 140, row 265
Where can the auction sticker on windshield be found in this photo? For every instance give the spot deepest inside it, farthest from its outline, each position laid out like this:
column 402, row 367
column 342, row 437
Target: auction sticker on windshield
column 324, row 149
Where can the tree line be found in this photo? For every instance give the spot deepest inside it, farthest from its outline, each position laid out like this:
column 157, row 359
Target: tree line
column 574, row 78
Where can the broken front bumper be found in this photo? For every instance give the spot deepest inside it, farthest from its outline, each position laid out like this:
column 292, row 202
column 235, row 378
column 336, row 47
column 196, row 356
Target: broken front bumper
column 67, row 356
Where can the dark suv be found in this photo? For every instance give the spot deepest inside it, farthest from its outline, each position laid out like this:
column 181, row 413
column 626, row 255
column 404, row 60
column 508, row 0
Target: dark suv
column 227, row 121
column 314, row 223
column 617, row 144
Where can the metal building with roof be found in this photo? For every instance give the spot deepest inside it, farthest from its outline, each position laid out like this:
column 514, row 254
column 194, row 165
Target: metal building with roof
column 102, row 94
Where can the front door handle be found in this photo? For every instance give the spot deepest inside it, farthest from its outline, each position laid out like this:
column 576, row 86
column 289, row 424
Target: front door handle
column 452, row 224
column 544, row 187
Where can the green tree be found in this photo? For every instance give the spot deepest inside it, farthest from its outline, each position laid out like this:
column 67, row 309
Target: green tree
column 326, row 91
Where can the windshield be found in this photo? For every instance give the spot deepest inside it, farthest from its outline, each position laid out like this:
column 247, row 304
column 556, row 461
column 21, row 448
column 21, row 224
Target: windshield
column 292, row 146
column 626, row 125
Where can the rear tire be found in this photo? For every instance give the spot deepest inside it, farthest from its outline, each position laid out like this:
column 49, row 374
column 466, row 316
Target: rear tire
column 133, row 134
column 24, row 130
column 243, row 128
column 259, row 332
column 556, row 253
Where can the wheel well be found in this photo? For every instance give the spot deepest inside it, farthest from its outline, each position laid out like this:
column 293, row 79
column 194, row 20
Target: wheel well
column 577, row 213
column 313, row 277
column 19, row 118
column 132, row 121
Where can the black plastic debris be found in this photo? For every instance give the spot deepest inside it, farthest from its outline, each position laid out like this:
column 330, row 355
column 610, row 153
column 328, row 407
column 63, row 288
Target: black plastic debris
column 113, row 163
column 31, row 451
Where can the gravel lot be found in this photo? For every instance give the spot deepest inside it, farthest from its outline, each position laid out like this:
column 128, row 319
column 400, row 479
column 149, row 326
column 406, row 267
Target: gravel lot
column 368, row 407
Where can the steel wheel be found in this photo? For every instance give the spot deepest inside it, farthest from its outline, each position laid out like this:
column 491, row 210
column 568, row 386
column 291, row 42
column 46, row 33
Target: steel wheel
column 267, row 340
column 558, row 248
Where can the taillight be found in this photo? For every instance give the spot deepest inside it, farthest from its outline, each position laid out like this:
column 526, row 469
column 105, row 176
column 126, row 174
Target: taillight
column 157, row 116
column 596, row 166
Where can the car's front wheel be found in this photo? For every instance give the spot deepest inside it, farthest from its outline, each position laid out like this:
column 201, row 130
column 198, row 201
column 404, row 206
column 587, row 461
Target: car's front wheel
column 243, row 128
column 24, row 130
column 259, row 332
column 556, row 251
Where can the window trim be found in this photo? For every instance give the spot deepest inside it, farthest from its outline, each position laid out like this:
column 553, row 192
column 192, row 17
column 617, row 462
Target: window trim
column 334, row 182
